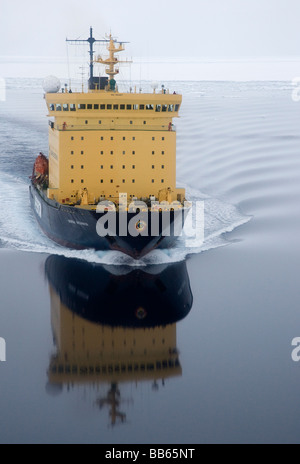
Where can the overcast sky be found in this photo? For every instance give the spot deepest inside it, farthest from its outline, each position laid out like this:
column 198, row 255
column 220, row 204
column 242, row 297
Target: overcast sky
column 155, row 28
column 212, row 28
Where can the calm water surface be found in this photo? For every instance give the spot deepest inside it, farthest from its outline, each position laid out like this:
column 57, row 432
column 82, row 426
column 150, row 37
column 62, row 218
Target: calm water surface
column 194, row 350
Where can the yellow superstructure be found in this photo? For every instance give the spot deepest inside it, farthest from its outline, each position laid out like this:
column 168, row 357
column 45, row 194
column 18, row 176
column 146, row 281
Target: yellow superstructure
column 87, row 351
column 104, row 142
column 93, row 354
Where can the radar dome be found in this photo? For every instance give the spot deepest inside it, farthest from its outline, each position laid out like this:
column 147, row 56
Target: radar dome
column 51, row 84
column 154, row 85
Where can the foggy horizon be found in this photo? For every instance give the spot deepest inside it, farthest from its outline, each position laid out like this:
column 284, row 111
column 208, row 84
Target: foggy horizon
column 199, row 34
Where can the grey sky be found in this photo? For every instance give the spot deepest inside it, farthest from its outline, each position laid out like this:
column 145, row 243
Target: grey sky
column 199, row 28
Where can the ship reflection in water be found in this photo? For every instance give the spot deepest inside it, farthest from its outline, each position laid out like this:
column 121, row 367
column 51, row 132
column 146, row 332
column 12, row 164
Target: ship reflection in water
column 114, row 325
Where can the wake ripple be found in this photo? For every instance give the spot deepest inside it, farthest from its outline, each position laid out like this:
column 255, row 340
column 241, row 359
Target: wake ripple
column 19, row 229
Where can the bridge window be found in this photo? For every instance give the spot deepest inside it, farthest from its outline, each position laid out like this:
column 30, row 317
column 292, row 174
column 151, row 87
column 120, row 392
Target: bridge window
column 128, row 107
column 109, row 107
column 89, row 106
column 81, row 106
column 58, row 107
column 158, row 108
column 101, row 181
column 96, row 107
column 142, row 107
column 122, row 107
column 135, row 107
column 170, row 108
column 51, row 107
column 102, row 107
column 164, row 108
column 72, row 107
column 177, row 107
column 116, row 107
column 149, row 107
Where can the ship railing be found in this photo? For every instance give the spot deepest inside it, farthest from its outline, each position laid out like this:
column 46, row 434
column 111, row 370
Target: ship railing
column 116, row 126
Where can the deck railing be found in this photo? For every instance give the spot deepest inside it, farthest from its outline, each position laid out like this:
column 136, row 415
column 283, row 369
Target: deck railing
column 112, row 126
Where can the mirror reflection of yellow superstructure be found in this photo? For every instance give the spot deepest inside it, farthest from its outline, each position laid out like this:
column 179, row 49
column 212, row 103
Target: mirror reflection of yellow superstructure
column 110, row 329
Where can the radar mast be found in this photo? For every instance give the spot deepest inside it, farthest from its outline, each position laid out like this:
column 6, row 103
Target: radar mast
column 112, row 61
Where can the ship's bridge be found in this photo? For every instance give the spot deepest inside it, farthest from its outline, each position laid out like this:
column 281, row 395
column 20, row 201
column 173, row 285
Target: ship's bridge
column 96, row 109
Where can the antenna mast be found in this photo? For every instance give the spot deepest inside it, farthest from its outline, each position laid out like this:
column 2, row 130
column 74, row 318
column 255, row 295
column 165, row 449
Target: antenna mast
column 91, row 41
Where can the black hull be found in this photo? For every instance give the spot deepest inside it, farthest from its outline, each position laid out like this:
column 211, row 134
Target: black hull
column 158, row 296
column 76, row 228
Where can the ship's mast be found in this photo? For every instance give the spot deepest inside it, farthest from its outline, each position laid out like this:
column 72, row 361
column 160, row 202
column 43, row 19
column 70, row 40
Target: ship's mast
column 91, row 40
column 113, row 400
column 111, row 61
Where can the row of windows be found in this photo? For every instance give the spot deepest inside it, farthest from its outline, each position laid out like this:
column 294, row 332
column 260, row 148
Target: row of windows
column 64, row 126
column 115, row 107
column 123, row 167
column 97, row 369
column 112, row 152
column 123, row 181
column 112, row 138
